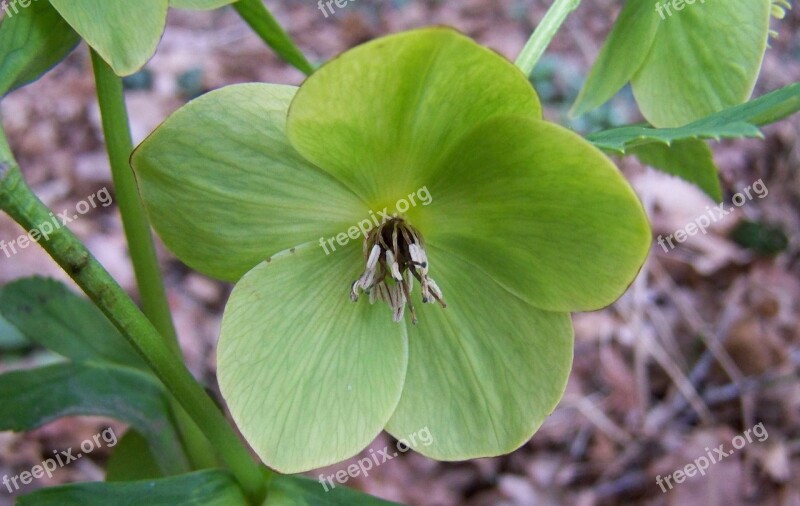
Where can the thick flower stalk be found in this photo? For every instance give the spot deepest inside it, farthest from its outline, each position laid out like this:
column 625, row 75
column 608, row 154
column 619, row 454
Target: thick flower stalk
column 407, row 237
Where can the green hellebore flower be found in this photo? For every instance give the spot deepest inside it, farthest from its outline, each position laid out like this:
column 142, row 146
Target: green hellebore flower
column 518, row 221
column 683, row 64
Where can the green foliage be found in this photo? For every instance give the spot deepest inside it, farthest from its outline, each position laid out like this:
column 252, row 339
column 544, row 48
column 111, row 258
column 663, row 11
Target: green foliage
column 684, row 65
column 132, row 459
column 201, row 488
column 44, row 394
column 47, row 313
column 10, row 338
column 734, row 122
column 199, row 4
column 689, row 159
column 32, row 41
column 762, row 238
column 107, row 26
column 267, row 27
column 300, row 491
column 213, row 487
column 99, row 380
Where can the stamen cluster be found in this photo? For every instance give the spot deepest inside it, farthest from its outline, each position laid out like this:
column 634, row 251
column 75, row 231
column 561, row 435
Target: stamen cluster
column 395, row 254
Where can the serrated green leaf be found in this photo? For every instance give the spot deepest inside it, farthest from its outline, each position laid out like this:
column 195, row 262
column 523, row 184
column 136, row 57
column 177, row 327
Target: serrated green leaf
column 124, row 33
column 689, row 159
column 204, row 5
column 49, row 314
column 286, row 490
column 33, row 39
column 41, row 395
column 201, row 488
column 734, row 122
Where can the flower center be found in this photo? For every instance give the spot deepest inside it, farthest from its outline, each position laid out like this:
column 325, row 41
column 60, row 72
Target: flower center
column 395, row 255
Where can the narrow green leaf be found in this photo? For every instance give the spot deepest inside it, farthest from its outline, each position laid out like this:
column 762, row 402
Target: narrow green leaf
column 286, row 490
column 132, row 459
column 201, row 488
column 261, row 20
column 41, row 395
column 767, row 109
column 47, row 313
column 689, row 159
column 124, row 32
column 623, row 53
column 33, row 39
column 734, row 122
column 204, row 5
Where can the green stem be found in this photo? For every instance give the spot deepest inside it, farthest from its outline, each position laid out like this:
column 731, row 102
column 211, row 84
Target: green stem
column 544, row 33
column 116, row 129
column 19, row 201
column 261, row 20
column 119, row 145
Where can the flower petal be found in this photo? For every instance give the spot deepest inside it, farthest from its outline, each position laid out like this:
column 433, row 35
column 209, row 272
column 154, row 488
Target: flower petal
column 539, row 210
column 380, row 115
column 107, row 26
column 309, row 377
column 224, row 189
column 484, row 372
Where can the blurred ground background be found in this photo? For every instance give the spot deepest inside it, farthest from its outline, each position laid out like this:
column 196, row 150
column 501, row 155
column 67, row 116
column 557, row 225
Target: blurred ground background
column 704, row 346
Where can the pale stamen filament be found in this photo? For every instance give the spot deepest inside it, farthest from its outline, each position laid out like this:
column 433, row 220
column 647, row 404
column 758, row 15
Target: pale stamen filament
column 397, row 249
